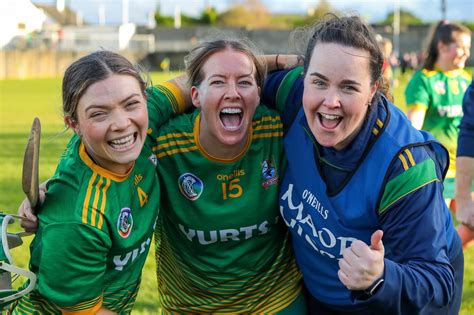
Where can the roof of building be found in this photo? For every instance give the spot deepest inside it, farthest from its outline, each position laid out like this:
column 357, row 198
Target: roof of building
column 67, row 17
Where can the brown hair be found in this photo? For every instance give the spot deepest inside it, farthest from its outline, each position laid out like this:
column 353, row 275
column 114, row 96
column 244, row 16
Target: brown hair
column 349, row 31
column 443, row 32
column 196, row 58
column 90, row 69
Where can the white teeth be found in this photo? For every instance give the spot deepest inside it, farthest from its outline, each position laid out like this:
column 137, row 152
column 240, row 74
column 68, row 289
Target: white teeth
column 122, row 142
column 231, row 110
column 330, row 117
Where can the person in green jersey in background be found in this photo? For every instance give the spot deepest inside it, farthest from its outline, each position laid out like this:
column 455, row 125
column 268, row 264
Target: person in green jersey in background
column 97, row 220
column 221, row 246
column 435, row 92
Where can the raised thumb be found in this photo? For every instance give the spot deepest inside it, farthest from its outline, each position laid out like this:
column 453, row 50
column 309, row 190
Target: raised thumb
column 376, row 240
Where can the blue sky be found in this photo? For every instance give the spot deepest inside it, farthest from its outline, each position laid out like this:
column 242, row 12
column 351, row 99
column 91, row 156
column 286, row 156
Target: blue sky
column 373, row 10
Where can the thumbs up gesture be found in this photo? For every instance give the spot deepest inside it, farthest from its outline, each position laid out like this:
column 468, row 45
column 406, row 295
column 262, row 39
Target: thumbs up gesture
column 361, row 264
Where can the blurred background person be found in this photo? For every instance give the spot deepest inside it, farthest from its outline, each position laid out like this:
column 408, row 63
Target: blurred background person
column 435, row 92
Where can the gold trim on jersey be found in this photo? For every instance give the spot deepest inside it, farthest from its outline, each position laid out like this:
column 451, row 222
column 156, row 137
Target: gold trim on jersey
column 417, row 106
column 97, row 187
column 174, row 95
column 404, row 160
column 88, row 307
column 268, row 127
column 182, row 142
column 175, row 142
column 99, row 169
column 449, row 73
column 217, row 159
column 184, row 291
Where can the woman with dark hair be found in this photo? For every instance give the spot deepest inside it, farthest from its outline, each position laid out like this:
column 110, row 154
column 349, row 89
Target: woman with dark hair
column 362, row 192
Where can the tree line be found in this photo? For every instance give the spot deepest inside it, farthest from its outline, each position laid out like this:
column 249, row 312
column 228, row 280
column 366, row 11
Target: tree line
column 253, row 14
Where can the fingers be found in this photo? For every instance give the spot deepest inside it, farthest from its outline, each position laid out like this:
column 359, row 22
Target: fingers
column 362, row 264
column 376, row 240
column 42, row 195
column 29, row 221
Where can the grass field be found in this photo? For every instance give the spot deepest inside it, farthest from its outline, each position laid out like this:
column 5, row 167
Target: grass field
column 21, row 101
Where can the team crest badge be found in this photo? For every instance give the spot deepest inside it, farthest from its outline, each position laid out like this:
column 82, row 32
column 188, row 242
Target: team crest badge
column 125, row 222
column 190, row 186
column 153, row 159
column 440, row 87
column 269, row 173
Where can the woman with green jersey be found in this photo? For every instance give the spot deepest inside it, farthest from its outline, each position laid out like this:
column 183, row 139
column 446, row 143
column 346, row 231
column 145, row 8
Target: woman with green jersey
column 98, row 217
column 221, row 246
column 435, row 92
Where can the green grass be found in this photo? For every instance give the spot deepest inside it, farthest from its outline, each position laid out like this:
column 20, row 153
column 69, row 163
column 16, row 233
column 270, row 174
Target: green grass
column 22, row 100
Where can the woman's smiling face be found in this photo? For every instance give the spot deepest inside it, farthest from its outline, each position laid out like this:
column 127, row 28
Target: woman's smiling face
column 337, row 93
column 112, row 121
column 228, row 97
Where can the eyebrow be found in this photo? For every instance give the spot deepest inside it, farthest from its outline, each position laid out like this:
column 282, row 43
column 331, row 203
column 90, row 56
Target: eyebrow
column 346, row 81
column 223, row 76
column 99, row 106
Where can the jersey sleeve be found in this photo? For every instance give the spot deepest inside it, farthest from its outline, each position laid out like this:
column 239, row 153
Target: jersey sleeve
column 283, row 90
column 416, row 93
column 466, row 128
column 414, row 222
column 164, row 102
column 72, row 266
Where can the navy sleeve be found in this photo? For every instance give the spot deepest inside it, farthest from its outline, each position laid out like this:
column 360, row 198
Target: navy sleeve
column 418, row 274
column 466, row 129
column 294, row 100
column 270, row 88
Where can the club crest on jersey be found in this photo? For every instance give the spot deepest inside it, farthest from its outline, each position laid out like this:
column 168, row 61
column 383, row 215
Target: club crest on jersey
column 440, row 87
column 269, row 173
column 190, row 186
column 125, row 222
column 153, row 159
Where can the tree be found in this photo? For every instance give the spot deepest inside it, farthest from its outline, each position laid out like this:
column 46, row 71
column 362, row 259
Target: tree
column 250, row 14
column 406, row 18
column 209, row 16
column 317, row 13
column 162, row 20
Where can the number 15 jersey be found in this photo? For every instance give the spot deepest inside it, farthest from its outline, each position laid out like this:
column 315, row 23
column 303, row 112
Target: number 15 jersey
column 221, row 244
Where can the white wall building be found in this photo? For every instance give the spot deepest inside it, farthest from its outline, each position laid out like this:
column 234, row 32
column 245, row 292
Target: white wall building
column 18, row 18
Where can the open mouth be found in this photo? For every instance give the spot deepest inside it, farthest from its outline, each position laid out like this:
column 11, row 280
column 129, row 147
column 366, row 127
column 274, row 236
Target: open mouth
column 124, row 142
column 329, row 121
column 231, row 117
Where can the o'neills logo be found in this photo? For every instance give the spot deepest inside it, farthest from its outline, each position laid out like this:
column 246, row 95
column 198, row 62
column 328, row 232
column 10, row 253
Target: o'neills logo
column 190, row 186
column 125, row 222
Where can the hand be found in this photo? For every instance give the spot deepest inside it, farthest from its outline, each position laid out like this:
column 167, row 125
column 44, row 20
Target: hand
column 361, row 265
column 30, row 221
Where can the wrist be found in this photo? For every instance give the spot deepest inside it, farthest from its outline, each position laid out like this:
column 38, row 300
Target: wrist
column 374, row 287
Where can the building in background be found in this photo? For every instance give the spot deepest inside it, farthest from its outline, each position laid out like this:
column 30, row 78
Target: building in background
column 22, row 20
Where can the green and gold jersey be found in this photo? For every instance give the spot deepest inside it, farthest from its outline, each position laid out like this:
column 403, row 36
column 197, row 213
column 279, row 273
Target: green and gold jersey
column 95, row 230
column 440, row 94
column 221, row 244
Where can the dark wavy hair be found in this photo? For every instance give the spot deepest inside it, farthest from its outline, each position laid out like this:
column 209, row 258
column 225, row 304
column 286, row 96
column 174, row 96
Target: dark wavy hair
column 349, row 31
